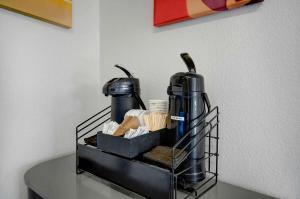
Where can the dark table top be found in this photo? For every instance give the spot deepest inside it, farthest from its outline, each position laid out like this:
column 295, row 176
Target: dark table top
column 57, row 179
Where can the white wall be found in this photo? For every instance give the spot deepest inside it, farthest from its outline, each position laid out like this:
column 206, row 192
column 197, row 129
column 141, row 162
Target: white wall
column 49, row 83
column 250, row 58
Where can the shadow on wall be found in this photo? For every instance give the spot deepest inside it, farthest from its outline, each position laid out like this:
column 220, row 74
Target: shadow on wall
column 207, row 19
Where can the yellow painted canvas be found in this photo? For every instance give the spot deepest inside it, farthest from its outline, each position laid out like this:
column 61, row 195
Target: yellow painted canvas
column 58, row 12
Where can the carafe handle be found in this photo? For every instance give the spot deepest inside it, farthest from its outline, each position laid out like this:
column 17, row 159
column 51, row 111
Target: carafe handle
column 189, row 62
column 206, row 100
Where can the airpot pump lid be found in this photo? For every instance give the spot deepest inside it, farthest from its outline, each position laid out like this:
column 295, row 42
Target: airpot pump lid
column 121, row 86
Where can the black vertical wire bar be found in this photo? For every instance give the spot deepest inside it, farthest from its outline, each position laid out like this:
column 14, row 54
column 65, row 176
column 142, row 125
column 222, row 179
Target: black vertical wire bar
column 209, row 145
column 176, row 187
column 78, row 171
column 174, row 191
column 217, row 147
column 77, row 150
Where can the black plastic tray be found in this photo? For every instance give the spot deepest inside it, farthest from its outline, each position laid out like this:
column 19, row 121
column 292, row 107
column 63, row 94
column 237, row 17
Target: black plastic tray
column 128, row 148
column 145, row 179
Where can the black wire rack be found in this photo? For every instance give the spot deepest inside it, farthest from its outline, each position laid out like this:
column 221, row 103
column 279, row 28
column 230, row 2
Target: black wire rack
column 210, row 133
column 86, row 155
column 90, row 126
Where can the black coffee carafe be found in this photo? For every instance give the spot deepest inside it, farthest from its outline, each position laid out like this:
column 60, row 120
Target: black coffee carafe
column 125, row 95
column 187, row 100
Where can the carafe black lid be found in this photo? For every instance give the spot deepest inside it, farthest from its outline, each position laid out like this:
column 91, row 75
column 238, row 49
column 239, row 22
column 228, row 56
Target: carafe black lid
column 124, row 86
column 121, row 86
column 183, row 83
column 186, row 82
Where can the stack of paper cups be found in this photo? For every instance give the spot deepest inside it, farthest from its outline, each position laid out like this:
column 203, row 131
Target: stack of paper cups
column 157, row 117
column 158, row 106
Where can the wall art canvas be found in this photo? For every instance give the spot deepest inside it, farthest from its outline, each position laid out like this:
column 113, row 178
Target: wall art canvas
column 58, row 12
column 172, row 11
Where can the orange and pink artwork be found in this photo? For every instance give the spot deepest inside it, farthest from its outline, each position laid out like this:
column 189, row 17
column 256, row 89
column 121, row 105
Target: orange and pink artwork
column 172, row 11
column 57, row 12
